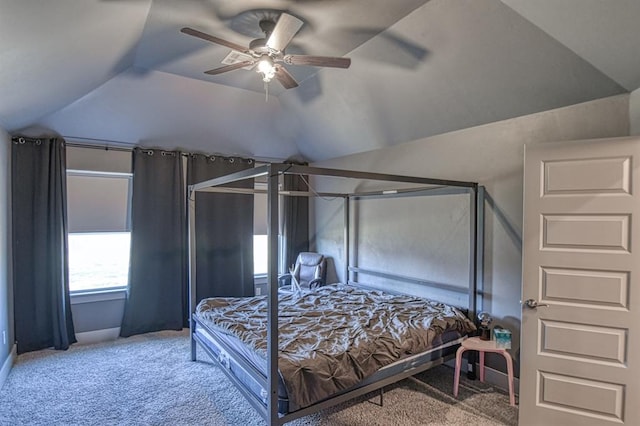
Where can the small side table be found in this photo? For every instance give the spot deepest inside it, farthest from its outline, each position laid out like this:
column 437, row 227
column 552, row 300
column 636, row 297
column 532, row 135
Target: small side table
column 483, row 346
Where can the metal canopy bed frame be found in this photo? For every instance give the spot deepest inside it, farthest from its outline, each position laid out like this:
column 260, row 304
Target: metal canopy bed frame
column 273, row 172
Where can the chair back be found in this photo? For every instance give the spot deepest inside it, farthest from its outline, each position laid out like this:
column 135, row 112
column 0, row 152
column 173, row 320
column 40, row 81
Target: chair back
column 310, row 270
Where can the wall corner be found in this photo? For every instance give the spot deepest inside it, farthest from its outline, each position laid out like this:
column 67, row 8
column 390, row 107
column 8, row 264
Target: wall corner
column 7, row 364
column 634, row 113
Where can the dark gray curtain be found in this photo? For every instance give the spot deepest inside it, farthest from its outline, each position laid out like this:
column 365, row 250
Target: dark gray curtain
column 156, row 298
column 40, row 256
column 295, row 222
column 224, row 231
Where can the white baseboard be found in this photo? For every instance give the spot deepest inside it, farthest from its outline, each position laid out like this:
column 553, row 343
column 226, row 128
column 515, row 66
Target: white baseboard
column 8, row 363
column 95, row 336
column 495, row 377
column 499, row 379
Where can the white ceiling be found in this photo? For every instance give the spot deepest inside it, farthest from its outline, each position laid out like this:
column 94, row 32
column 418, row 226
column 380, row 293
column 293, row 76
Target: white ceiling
column 120, row 70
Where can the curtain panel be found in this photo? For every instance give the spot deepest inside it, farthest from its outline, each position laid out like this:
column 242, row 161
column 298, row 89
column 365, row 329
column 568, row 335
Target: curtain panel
column 157, row 291
column 40, row 249
column 295, row 219
column 224, row 230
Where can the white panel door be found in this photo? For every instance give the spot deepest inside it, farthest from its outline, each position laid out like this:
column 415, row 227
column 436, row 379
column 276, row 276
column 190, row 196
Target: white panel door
column 580, row 349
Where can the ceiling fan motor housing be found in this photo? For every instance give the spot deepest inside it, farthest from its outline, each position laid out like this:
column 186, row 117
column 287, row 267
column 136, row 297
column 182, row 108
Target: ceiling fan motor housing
column 267, row 26
column 259, row 46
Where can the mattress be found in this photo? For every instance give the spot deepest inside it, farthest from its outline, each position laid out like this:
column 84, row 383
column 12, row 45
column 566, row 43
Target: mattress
column 330, row 339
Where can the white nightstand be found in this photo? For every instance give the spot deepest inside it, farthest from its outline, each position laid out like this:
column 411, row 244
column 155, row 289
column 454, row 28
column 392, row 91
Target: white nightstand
column 483, row 346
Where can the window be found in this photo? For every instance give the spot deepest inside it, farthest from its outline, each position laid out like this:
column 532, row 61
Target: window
column 98, row 207
column 260, row 240
column 98, row 260
column 260, row 254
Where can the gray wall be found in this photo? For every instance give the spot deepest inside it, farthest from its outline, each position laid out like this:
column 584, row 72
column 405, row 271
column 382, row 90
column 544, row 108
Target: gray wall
column 6, row 282
column 97, row 312
column 491, row 155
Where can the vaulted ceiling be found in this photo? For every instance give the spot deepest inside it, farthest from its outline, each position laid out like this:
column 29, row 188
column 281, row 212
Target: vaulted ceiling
column 120, row 71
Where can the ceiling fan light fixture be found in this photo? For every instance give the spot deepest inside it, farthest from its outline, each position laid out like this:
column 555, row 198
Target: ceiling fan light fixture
column 266, row 68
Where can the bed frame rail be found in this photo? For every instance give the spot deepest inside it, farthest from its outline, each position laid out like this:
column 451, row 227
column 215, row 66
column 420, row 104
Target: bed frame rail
column 416, row 366
column 402, row 278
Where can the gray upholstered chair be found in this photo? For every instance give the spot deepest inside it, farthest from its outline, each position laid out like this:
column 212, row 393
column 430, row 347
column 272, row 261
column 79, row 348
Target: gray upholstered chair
column 310, row 271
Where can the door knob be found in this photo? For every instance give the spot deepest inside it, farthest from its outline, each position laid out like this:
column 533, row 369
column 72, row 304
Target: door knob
column 532, row 304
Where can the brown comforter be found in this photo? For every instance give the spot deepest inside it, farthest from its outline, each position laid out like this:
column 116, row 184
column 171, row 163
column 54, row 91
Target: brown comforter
column 332, row 338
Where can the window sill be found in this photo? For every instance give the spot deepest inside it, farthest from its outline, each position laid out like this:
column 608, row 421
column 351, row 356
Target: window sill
column 98, row 295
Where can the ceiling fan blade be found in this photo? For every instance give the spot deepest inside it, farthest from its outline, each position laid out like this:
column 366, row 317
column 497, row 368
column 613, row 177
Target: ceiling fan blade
column 286, row 79
column 231, row 67
column 286, row 27
column 213, row 39
column 317, row 61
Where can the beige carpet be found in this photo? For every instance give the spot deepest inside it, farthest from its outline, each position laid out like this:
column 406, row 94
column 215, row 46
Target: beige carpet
column 149, row 380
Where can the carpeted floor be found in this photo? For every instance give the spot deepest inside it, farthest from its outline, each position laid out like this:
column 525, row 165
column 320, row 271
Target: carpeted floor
column 149, row 380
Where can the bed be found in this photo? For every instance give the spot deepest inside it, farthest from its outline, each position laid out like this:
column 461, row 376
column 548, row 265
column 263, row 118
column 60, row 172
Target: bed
column 336, row 342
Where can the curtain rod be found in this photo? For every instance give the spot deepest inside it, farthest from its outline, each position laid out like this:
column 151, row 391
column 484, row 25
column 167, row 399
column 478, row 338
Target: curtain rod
column 105, row 145
column 102, row 144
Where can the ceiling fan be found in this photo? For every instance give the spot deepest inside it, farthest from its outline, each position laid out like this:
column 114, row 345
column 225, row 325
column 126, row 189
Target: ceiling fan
column 267, row 55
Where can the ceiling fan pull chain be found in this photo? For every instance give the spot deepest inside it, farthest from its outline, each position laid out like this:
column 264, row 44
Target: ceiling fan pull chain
column 266, row 91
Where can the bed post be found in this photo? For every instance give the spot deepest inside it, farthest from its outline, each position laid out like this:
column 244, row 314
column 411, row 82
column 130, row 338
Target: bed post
column 346, row 239
column 479, row 287
column 476, row 251
column 191, row 241
column 476, row 263
column 272, row 291
column 473, row 271
column 473, row 253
